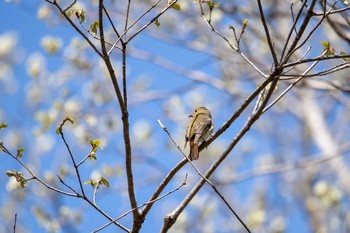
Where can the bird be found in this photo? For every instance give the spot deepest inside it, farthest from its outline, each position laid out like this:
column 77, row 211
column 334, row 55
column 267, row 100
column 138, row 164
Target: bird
column 199, row 129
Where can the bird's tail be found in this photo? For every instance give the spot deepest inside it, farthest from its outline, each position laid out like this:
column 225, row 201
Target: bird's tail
column 194, row 154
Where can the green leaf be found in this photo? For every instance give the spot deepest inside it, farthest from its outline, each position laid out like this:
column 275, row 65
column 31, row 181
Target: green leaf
column 10, row 173
column 3, row 125
column 212, row 4
column 89, row 182
column 342, row 53
column 58, row 130
column 92, row 156
column 94, row 26
column 176, row 6
column 18, row 176
column 95, row 143
column 345, row 2
column 325, row 44
column 245, row 23
column 157, row 23
column 71, row 120
column 19, row 152
column 23, row 183
column 82, row 15
column 104, row 181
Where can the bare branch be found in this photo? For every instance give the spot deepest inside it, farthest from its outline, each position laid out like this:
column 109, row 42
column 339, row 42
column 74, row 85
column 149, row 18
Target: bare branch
column 34, row 176
column 267, row 33
column 301, row 31
column 208, row 22
column 204, row 178
column 71, row 155
column 75, row 27
column 293, row 84
column 321, row 73
column 132, row 24
column 145, row 204
column 304, row 163
column 153, row 19
column 15, row 223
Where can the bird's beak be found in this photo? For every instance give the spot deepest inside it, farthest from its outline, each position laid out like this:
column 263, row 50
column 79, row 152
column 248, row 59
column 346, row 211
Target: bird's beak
column 190, row 116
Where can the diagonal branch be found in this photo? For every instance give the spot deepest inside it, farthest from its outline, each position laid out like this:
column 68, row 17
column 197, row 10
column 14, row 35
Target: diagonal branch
column 171, row 218
column 268, row 37
column 140, row 206
column 204, row 178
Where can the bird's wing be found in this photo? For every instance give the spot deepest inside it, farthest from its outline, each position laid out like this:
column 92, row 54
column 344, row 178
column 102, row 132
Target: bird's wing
column 201, row 128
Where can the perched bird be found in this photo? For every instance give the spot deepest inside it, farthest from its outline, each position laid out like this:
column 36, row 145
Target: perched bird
column 199, row 129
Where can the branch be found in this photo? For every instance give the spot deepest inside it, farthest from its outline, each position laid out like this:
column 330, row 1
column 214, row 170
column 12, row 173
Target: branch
column 125, row 119
column 203, row 177
column 293, row 84
column 60, row 129
column 171, row 218
column 15, row 223
column 132, row 24
column 321, row 73
column 300, row 32
column 268, row 37
column 313, row 30
column 63, row 12
column 306, row 162
column 34, row 177
column 208, row 22
column 292, row 29
column 153, row 19
column 145, row 204
column 319, row 58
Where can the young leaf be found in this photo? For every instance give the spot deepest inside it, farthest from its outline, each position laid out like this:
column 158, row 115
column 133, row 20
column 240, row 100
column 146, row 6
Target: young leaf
column 10, row 173
column 176, row 6
column 104, row 181
column 157, row 23
column 58, row 130
column 82, row 15
column 71, row 120
column 92, row 156
column 325, row 44
column 94, row 26
column 19, row 152
column 212, row 4
column 91, row 182
column 245, row 23
column 3, row 125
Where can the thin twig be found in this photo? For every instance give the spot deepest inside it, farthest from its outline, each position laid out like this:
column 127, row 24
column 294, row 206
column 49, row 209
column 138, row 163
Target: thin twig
column 203, row 177
column 71, row 155
column 132, row 24
column 306, row 162
column 293, row 28
column 267, row 33
column 69, row 187
column 140, row 206
column 292, row 85
column 15, row 223
column 76, row 28
column 34, row 177
column 229, row 43
column 321, row 73
column 153, row 19
column 95, row 193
